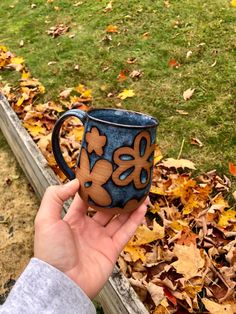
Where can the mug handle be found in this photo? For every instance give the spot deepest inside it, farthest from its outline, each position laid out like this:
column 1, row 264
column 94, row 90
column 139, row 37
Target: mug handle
column 56, row 140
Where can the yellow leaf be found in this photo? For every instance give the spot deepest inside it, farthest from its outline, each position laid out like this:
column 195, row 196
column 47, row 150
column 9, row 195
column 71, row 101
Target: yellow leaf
column 127, row 93
column 87, row 93
column 144, row 235
column 3, row 48
column 77, row 133
column 233, row 3
column 157, row 155
column 20, row 101
column 178, row 225
column 219, row 202
column 157, row 190
column 178, row 163
column 155, row 208
column 135, row 252
column 80, row 88
column 17, row 60
column 35, row 130
column 25, row 75
column 227, row 217
column 189, row 260
column 215, row 308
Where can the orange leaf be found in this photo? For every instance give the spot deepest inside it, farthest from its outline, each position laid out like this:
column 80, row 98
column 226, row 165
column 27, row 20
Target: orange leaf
column 232, row 168
column 173, row 63
column 112, row 29
column 122, row 76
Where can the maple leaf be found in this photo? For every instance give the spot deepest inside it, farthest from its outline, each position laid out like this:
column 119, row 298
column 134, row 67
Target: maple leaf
column 232, row 168
column 233, row 3
column 226, row 217
column 108, row 7
column 157, row 155
column 135, row 252
column 189, row 260
column 127, row 93
column 144, row 235
column 215, row 308
column 35, row 129
column 112, row 29
column 187, row 94
column 178, row 163
column 156, row 292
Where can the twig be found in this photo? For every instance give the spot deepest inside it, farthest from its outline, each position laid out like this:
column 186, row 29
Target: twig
column 181, row 148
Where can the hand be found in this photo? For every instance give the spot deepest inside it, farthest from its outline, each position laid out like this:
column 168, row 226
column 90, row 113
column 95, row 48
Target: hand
column 84, row 248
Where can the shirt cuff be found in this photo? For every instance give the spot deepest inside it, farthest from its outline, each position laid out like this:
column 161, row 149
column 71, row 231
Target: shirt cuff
column 42, row 288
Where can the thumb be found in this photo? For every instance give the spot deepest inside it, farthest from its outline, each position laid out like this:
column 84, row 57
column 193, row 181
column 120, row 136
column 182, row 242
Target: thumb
column 53, row 200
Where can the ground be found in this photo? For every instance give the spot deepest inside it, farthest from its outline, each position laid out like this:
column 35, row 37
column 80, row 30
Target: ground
column 16, row 219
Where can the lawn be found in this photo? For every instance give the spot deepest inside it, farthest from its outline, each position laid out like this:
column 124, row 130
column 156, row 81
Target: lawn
column 176, row 45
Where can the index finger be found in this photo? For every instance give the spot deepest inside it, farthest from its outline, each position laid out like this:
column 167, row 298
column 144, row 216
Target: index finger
column 54, row 198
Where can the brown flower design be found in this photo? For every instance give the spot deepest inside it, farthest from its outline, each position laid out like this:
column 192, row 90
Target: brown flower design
column 133, row 162
column 95, row 141
column 91, row 181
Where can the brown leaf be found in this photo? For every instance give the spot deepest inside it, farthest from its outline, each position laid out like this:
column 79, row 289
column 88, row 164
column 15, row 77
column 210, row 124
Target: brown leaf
column 136, row 74
column 189, row 260
column 215, row 308
column 58, row 30
column 108, row 7
column 178, row 163
column 188, row 93
column 196, row 141
column 183, row 112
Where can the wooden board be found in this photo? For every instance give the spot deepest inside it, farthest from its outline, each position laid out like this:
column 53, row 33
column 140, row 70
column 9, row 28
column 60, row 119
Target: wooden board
column 117, row 297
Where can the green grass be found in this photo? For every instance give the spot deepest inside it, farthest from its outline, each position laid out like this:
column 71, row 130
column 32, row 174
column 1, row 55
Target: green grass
column 207, row 28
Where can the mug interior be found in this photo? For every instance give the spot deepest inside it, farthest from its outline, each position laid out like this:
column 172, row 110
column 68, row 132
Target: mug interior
column 122, row 117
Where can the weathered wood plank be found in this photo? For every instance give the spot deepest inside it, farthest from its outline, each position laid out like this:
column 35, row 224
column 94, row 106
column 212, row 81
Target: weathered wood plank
column 117, row 297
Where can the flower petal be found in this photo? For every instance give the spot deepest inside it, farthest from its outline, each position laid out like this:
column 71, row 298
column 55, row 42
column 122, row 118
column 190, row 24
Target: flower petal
column 99, row 195
column 101, row 171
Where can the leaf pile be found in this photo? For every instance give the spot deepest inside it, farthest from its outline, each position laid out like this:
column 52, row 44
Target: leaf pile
column 39, row 118
column 182, row 259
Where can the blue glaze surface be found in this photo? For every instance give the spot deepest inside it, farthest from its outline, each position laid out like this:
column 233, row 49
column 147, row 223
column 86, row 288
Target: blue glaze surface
column 122, row 130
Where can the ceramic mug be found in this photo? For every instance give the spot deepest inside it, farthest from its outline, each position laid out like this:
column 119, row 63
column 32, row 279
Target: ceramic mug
column 116, row 158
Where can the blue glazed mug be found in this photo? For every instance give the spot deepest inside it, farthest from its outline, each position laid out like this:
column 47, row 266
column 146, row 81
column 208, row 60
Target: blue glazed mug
column 116, row 158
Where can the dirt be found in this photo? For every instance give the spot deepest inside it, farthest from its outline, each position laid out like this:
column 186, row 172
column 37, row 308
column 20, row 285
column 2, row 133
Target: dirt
column 18, row 207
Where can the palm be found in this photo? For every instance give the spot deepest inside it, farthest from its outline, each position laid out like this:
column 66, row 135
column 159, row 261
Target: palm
column 84, row 248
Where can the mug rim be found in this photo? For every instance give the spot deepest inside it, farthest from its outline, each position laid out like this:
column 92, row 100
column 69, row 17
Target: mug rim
column 155, row 121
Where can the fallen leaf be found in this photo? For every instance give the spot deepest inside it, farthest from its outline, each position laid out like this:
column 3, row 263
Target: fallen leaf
column 21, row 44
column 146, row 35
column 232, row 168
column 234, row 195
column 144, row 235
column 226, row 217
column 157, row 155
column 188, row 54
column 131, row 60
column 122, row 76
column 108, row 7
column 173, row 63
column 112, row 29
column 215, row 308
column 178, row 163
column 58, row 30
column 156, row 292
column 233, row 3
column 196, row 141
column 183, row 112
column 127, row 93
column 189, row 260
column 66, row 93
column 135, row 74
column 188, row 93
column 135, row 252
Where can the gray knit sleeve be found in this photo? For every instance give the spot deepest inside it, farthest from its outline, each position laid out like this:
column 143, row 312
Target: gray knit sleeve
column 42, row 288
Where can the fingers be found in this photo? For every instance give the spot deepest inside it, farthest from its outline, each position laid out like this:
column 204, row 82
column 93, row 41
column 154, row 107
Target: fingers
column 77, row 209
column 53, row 200
column 127, row 230
column 102, row 218
column 116, row 223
